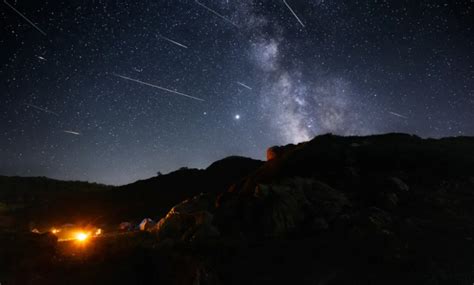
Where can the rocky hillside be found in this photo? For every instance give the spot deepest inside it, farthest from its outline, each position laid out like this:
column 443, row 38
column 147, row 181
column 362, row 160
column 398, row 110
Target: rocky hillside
column 395, row 173
column 383, row 209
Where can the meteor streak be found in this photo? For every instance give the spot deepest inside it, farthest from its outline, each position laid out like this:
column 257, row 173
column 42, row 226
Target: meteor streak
column 41, row 109
column 293, row 12
column 24, row 17
column 72, row 133
column 158, row 87
column 217, row 14
column 244, row 85
column 173, row 42
column 398, row 115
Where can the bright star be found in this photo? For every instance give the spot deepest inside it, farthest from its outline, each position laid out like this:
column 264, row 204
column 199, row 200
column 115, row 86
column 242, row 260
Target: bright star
column 237, row 117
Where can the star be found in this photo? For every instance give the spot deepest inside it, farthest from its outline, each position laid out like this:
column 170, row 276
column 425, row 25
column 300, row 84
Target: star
column 293, row 69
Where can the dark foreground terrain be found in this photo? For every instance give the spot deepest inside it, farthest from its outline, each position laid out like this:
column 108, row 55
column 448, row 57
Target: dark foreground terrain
column 386, row 209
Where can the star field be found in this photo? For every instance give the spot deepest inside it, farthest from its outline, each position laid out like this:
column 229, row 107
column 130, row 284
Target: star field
column 115, row 91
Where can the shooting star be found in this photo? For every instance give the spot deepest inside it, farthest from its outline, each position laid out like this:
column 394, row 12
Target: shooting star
column 158, row 87
column 41, row 109
column 24, row 17
column 398, row 115
column 173, row 42
column 41, row 58
column 72, row 133
column 217, row 14
column 244, row 85
column 293, row 12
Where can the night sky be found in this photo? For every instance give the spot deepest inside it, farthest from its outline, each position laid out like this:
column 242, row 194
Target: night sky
column 115, row 91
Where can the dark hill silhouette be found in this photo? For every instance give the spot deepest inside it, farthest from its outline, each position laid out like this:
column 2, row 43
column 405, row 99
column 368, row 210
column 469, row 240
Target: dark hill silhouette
column 29, row 200
column 155, row 196
column 42, row 202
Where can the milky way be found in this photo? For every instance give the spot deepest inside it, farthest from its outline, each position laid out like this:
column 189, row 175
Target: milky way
column 300, row 106
column 202, row 80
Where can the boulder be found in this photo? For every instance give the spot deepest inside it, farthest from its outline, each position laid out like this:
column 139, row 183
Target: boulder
column 377, row 221
column 198, row 203
column 204, row 232
column 190, row 220
column 397, row 185
column 146, row 224
column 273, row 152
column 327, row 201
column 285, row 207
column 387, row 200
column 125, row 226
column 281, row 208
column 173, row 226
column 277, row 151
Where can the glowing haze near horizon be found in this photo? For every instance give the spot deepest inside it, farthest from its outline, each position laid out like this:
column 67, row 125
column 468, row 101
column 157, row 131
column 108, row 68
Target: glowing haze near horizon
column 84, row 102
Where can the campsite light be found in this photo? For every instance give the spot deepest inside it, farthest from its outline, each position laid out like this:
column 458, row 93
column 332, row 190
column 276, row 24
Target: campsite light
column 81, row 236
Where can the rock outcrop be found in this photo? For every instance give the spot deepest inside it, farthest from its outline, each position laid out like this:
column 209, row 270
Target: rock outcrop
column 295, row 203
column 188, row 221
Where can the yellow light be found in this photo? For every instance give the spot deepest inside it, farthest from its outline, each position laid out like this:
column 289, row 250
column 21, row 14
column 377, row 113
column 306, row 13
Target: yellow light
column 54, row 231
column 81, row 236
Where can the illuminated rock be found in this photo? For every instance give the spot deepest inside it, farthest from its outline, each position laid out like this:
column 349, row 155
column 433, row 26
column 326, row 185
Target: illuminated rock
column 146, row 224
column 189, row 220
